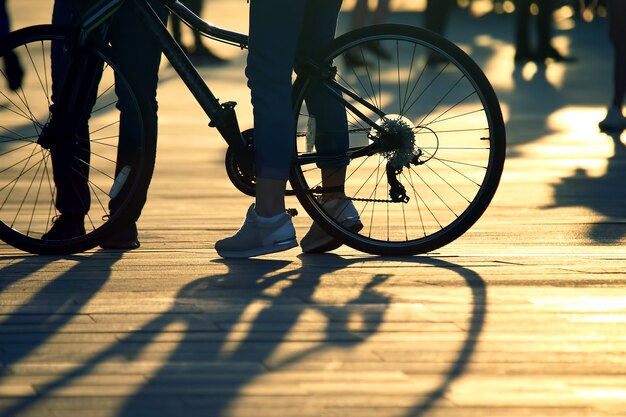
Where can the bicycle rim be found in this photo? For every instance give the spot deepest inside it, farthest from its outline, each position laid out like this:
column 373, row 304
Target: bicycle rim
column 444, row 140
column 29, row 196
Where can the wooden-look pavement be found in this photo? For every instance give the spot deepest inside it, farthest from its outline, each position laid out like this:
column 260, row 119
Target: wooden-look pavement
column 525, row 315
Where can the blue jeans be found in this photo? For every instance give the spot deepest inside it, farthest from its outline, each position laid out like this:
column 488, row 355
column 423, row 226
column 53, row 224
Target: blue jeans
column 281, row 30
column 138, row 56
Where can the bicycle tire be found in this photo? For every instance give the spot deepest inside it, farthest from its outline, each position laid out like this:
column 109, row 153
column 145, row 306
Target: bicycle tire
column 28, row 193
column 422, row 84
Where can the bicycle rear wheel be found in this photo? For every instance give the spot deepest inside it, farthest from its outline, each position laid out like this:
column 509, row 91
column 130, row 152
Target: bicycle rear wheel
column 29, row 195
column 426, row 139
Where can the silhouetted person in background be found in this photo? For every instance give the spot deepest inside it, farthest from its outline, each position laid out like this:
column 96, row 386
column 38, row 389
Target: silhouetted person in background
column 362, row 16
column 139, row 59
column 198, row 50
column 614, row 119
column 523, row 50
column 436, row 15
column 13, row 72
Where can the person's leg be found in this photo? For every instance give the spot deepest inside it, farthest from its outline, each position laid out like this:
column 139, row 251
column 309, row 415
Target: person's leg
column 70, row 177
column 381, row 12
column 13, row 71
column 177, row 34
column 359, row 14
column 615, row 120
column 544, row 25
column 617, row 31
column 269, row 70
column 4, row 18
column 522, row 21
column 358, row 19
column 331, row 128
column 275, row 27
column 436, row 15
column 200, row 49
column 139, row 57
column 545, row 49
column 196, row 7
column 331, row 125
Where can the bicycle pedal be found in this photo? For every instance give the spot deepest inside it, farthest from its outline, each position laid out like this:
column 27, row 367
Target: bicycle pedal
column 292, row 212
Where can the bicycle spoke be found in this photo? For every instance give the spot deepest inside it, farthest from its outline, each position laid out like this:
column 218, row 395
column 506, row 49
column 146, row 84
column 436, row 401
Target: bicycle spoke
column 430, row 156
column 28, row 180
column 41, row 82
column 21, row 205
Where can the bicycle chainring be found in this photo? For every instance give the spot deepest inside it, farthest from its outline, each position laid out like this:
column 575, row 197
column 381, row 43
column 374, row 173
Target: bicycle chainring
column 240, row 166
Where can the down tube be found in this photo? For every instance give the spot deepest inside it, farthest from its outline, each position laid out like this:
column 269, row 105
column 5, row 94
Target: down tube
column 183, row 66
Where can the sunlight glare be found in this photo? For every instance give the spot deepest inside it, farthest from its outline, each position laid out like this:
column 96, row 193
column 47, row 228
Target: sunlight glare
column 582, row 304
column 602, row 393
column 481, row 7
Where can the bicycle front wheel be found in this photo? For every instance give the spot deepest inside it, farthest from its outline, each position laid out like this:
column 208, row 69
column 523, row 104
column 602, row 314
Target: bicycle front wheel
column 88, row 162
column 426, row 139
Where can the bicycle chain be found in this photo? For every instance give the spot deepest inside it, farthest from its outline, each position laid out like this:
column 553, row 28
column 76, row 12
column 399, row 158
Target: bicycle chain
column 302, row 135
column 373, row 200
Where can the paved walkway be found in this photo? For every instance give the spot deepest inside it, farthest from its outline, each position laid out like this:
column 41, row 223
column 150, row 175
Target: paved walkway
column 522, row 316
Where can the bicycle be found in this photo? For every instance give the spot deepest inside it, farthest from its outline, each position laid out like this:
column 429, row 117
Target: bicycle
column 427, row 138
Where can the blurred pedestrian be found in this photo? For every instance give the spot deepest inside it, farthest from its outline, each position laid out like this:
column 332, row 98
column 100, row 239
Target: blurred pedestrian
column 13, row 72
column 362, row 16
column 198, row 49
column 436, row 15
column 544, row 50
column 614, row 119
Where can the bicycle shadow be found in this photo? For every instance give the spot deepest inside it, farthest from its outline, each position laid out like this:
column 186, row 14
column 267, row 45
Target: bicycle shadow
column 253, row 330
column 604, row 195
column 53, row 305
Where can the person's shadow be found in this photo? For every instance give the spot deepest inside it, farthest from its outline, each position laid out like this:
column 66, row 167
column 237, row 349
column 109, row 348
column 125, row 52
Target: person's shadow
column 225, row 344
column 50, row 304
column 603, row 194
column 524, row 105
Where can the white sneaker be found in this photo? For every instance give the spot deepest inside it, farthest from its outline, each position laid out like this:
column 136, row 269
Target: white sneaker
column 317, row 240
column 255, row 238
column 614, row 121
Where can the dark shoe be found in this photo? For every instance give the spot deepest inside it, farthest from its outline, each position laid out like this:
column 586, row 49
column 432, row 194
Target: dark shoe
column 523, row 55
column 124, row 238
column 66, row 226
column 552, row 53
column 614, row 121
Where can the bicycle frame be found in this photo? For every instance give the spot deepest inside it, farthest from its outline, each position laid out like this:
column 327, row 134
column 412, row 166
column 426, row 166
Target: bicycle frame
column 221, row 115
column 86, row 141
